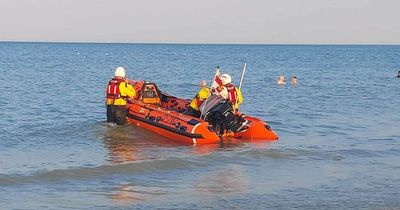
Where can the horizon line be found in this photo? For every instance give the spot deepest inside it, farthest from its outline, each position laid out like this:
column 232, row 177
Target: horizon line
column 195, row 43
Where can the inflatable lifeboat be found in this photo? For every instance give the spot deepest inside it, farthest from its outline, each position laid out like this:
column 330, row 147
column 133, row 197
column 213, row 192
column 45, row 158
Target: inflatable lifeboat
column 162, row 113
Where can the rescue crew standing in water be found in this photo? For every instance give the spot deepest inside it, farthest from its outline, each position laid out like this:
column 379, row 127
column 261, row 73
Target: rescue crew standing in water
column 201, row 96
column 234, row 94
column 118, row 92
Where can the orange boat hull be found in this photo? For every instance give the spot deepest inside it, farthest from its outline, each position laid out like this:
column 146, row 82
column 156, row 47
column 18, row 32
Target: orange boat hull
column 165, row 117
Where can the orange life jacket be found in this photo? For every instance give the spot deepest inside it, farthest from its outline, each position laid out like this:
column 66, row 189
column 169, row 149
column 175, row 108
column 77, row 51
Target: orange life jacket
column 232, row 94
column 113, row 91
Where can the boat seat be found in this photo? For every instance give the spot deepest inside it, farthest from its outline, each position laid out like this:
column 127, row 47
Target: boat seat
column 150, row 94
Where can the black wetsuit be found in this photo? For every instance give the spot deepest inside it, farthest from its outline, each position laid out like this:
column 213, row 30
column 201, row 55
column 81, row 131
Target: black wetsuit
column 117, row 114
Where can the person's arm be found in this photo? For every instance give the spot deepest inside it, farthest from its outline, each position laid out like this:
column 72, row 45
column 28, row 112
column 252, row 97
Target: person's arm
column 130, row 91
column 127, row 90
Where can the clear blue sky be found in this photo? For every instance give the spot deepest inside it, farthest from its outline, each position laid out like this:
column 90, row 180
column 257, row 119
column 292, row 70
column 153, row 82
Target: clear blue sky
column 202, row 21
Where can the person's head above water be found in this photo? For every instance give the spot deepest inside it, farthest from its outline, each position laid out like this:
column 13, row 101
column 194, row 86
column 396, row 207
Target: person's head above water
column 203, row 83
column 281, row 80
column 293, row 81
column 398, row 74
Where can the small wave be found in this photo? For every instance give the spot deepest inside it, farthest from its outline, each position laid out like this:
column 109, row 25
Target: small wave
column 389, row 138
column 274, row 154
column 244, row 155
column 363, row 153
column 292, row 154
column 152, row 166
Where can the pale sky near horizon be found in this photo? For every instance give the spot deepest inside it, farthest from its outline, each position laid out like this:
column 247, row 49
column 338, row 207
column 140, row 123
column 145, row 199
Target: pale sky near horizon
column 202, row 21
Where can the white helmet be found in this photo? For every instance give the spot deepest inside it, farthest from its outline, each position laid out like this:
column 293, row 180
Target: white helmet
column 120, row 72
column 226, row 79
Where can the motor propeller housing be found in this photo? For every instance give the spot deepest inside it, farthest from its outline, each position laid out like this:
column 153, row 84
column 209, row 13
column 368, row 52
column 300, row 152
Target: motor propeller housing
column 219, row 113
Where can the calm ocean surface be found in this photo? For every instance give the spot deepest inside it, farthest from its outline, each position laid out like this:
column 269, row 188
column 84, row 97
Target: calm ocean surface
column 339, row 129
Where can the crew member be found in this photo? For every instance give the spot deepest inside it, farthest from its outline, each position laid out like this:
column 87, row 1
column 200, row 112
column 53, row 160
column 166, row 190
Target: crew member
column 234, row 95
column 201, row 96
column 117, row 93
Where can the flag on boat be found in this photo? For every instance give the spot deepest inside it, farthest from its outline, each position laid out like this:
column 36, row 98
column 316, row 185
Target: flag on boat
column 216, row 82
column 217, row 87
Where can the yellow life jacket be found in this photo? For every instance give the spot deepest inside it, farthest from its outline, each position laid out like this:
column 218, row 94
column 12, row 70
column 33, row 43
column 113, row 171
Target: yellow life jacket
column 118, row 90
column 202, row 95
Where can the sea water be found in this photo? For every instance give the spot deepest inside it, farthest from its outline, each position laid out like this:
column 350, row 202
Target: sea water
column 339, row 129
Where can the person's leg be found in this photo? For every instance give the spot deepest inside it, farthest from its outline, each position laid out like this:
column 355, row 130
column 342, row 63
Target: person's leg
column 110, row 115
column 120, row 115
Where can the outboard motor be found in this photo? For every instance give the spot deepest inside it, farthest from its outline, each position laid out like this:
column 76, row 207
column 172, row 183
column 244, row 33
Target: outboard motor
column 219, row 113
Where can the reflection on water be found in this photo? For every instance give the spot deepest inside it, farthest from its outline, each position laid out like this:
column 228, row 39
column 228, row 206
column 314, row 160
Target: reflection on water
column 205, row 149
column 230, row 180
column 130, row 143
column 127, row 144
column 129, row 194
column 121, row 146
